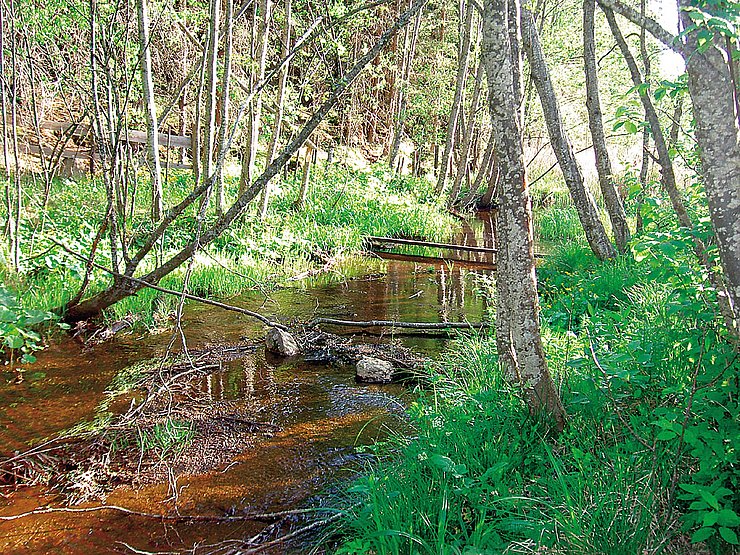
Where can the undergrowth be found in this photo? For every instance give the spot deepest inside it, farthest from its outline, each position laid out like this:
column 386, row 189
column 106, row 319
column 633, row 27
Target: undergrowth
column 648, row 462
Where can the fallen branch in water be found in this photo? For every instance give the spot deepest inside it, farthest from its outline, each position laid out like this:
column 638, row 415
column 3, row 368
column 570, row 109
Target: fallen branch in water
column 193, row 518
column 180, row 294
column 394, row 324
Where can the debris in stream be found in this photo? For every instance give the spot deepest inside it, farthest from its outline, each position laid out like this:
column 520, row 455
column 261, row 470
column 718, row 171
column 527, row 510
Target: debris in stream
column 172, row 427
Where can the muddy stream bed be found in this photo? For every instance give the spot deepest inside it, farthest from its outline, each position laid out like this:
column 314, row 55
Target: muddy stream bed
column 315, row 414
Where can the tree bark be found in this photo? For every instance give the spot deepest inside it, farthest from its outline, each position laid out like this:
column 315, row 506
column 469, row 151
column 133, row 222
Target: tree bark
column 612, row 200
column 248, row 168
column 225, row 102
column 583, row 201
column 272, row 148
column 150, row 107
column 517, row 306
column 462, row 73
column 718, row 135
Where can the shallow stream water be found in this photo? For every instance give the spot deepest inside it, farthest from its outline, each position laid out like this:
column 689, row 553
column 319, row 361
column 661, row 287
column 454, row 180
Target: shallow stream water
column 321, row 415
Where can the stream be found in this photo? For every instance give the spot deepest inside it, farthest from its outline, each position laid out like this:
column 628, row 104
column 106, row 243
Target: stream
column 319, row 413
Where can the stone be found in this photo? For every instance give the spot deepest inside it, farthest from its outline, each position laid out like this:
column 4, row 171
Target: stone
column 374, row 370
column 281, row 343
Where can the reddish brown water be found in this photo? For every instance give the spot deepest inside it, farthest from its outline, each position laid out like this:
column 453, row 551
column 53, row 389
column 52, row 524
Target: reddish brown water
column 322, row 414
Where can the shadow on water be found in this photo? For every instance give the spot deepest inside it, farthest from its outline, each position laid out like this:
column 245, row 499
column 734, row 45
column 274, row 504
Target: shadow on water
column 321, row 414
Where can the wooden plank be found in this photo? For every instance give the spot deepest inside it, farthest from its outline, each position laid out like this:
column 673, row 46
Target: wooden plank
column 430, row 244
column 131, row 136
column 80, row 154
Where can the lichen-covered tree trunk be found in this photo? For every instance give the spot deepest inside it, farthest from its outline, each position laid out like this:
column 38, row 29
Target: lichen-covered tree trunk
column 517, row 305
column 718, row 136
column 667, row 175
column 583, row 201
column 612, row 200
column 150, row 106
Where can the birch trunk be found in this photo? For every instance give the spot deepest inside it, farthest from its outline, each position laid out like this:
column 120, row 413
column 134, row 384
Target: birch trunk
column 150, row 107
column 517, row 306
column 462, row 73
column 272, row 148
column 583, row 201
column 612, row 200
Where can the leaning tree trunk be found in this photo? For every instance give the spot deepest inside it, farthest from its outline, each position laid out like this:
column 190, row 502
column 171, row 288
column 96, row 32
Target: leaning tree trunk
column 668, row 177
column 152, row 129
column 517, row 305
column 462, row 73
column 609, row 192
column 718, row 137
column 123, row 286
column 582, row 199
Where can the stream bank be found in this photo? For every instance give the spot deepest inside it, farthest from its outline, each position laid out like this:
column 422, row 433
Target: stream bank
column 314, row 416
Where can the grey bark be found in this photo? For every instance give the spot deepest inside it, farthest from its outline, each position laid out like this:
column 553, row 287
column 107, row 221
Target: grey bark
column 718, row 135
column 225, row 102
column 248, row 168
column 517, row 306
column 212, row 81
column 462, row 72
column 150, row 108
column 612, row 200
column 272, row 148
column 464, row 166
column 583, row 201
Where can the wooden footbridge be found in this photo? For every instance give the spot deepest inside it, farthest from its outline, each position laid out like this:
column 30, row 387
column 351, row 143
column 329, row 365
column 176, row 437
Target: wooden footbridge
column 483, row 258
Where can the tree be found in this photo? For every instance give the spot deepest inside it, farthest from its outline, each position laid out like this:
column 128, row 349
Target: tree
column 150, row 106
column 583, row 201
column 609, row 192
column 717, row 131
column 517, row 307
column 125, row 284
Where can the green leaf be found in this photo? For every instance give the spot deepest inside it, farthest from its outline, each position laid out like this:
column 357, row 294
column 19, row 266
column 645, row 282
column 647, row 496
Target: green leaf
column 666, row 435
column 728, row 535
column 710, row 519
column 630, row 127
column 710, row 499
column 702, row 534
column 728, row 517
column 14, row 341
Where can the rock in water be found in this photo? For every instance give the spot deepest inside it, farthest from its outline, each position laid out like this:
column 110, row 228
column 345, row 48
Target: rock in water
column 281, row 343
column 374, row 370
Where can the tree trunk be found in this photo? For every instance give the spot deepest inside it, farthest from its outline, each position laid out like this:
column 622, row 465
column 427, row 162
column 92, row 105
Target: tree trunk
column 248, row 168
column 152, row 129
column 612, row 200
column 517, row 306
column 307, row 161
column 280, row 107
column 225, row 102
column 718, row 135
column 462, row 73
column 584, row 202
column 211, row 83
column 668, row 177
column 464, row 166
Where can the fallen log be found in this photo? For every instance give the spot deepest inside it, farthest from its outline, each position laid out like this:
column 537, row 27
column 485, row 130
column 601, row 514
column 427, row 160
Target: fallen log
column 394, row 324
